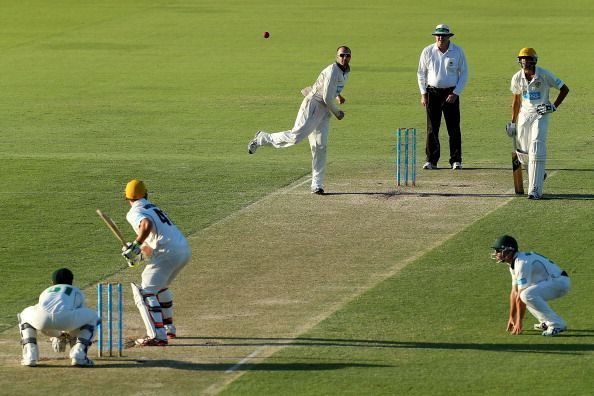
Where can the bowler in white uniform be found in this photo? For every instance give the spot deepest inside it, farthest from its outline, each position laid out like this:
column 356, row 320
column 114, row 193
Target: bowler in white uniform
column 313, row 119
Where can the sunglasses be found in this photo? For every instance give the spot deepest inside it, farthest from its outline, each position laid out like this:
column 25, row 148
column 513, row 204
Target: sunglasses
column 344, row 55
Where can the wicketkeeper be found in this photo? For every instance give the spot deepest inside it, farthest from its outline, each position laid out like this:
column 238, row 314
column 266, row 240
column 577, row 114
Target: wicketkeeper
column 166, row 251
column 61, row 314
column 531, row 111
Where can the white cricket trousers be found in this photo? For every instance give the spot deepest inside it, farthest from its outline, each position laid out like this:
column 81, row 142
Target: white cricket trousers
column 163, row 267
column 536, row 296
column 532, row 139
column 53, row 324
column 313, row 122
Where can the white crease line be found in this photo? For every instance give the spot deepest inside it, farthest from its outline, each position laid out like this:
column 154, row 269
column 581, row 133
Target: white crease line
column 245, row 360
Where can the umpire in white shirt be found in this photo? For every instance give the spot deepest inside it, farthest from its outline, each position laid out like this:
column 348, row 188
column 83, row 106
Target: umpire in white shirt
column 442, row 76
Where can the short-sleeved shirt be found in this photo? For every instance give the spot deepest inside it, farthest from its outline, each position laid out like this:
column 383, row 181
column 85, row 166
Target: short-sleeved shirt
column 60, row 298
column 534, row 92
column 531, row 268
column 164, row 234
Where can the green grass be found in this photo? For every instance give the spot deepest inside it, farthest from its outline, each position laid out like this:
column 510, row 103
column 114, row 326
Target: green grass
column 170, row 92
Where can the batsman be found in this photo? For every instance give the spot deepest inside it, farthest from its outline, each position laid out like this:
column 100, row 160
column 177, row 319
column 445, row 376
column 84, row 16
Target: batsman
column 531, row 112
column 165, row 249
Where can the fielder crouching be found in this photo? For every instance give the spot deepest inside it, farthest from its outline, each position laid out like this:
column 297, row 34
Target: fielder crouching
column 535, row 280
column 165, row 249
column 61, row 314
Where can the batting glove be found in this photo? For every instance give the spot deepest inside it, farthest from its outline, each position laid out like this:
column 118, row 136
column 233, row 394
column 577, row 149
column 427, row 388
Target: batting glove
column 132, row 253
column 510, row 128
column 545, row 108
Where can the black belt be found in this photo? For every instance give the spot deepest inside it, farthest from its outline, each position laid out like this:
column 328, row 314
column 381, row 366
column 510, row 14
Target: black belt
column 430, row 88
column 564, row 274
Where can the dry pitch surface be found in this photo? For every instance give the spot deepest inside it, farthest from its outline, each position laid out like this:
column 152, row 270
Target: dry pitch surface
column 266, row 274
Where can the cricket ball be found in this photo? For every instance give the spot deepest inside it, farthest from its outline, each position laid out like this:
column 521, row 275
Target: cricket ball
column 266, row 34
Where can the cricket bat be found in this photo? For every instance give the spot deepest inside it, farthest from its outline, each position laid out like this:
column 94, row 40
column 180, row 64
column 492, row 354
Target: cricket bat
column 517, row 170
column 113, row 227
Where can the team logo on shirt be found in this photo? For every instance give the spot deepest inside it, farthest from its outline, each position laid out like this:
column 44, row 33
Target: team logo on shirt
column 531, row 95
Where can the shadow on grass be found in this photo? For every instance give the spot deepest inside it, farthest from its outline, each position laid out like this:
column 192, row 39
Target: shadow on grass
column 268, row 366
column 393, row 194
column 551, row 346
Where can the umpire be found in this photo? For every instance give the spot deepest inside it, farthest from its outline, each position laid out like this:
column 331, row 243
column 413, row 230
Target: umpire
column 442, row 76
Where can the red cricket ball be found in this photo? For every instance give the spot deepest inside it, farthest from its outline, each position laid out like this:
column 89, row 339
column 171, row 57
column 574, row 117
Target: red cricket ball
column 266, row 34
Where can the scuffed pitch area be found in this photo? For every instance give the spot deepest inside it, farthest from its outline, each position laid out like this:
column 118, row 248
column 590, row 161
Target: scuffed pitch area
column 264, row 275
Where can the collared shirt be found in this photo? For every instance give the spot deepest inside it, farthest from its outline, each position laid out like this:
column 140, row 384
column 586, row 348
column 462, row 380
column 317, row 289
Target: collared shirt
column 442, row 70
column 60, row 298
column 164, row 234
column 531, row 268
column 534, row 92
column 329, row 85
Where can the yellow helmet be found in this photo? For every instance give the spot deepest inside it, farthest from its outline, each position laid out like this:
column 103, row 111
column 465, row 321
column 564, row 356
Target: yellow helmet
column 525, row 52
column 135, row 189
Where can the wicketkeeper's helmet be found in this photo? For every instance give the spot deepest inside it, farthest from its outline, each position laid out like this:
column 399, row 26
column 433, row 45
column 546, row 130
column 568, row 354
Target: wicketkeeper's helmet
column 135, row 189
column 62, row 276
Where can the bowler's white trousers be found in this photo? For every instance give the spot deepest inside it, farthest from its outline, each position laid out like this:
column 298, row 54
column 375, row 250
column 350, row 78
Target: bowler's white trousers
column 313, row 122
column 536, row 296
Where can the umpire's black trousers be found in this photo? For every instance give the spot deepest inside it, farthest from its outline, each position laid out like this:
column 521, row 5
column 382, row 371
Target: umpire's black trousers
column 436, row 105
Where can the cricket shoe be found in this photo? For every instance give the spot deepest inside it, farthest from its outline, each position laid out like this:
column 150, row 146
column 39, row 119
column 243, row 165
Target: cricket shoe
column 253, row 144
column 457, row 165
column 29, row 363
column 30, row 355
column 553, row 331
column 147, row 341
column 84, row 362
column 541, row 326
column 534, row 196
column 171, row 332
column 318, row 191
column 429, row 165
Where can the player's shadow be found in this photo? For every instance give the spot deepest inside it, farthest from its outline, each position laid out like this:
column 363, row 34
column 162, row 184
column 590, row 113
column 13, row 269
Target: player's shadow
column 422, row 194
column 550, row 346
column 265, row 366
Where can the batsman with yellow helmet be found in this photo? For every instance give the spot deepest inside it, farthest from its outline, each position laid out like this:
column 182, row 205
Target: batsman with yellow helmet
column 531, row 111
column 166, row 251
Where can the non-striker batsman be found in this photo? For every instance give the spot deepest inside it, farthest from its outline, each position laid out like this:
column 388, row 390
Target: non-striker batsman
column 531, row 112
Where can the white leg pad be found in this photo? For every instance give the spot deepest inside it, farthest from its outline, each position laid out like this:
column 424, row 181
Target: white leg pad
column 151, row 331
column 536, row 168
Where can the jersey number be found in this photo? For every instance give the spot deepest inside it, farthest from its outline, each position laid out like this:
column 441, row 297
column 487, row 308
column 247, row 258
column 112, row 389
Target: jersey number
column 67, row 291
column 162, row 216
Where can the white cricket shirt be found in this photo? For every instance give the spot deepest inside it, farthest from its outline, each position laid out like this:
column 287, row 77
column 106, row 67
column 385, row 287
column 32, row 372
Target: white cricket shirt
column 532, row 268
column 442, row 69
column 164, row 234
column 534, row 92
